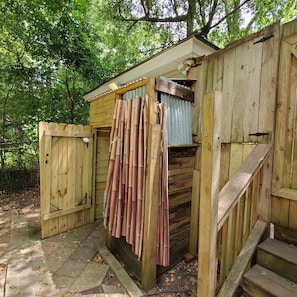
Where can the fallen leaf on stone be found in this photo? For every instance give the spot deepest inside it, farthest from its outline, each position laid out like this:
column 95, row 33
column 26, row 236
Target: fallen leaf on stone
column 98, row 259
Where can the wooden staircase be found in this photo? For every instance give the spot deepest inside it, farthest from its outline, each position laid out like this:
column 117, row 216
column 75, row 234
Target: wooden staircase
column 275, row 274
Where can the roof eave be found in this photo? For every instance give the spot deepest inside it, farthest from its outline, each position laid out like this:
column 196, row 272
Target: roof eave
column 160, row 64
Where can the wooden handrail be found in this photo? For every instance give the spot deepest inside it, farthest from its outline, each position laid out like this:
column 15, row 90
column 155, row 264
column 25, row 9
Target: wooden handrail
column 237, row 185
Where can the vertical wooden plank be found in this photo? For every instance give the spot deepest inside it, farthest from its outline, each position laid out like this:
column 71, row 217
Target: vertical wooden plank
column 54, row 180
column 281, row 116
column 101, row 168
column 197, row 106
column 254, row 188
column 71, row 153
column 268, row 87
column 152, row 192
column 289, row 128
column 246, row 99
column 152, row 102
column 239, row 226
column 210, row 74
column 218, row 73
column 150, row 233
column 62, row 177
column 194, row 226
column 92, row 165
column 247, row 149
column 230, row 240
column 228, row 94
column 292, row 215
column 293, row 96
column 44, row 163
column 223, row 253
column 210, row 174
column 79, row 176
column 264, row 201
column 198, row 75
column 236, row 157
column 247, row 213
column 225, row 164
column 280, row 211
column 87, row 175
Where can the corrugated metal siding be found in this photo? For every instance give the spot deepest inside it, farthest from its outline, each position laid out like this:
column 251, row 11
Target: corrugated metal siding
column 179, row 116
column 179, row 120
column 141, row 91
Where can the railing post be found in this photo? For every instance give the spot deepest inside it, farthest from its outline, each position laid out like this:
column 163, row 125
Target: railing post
column 209, row 193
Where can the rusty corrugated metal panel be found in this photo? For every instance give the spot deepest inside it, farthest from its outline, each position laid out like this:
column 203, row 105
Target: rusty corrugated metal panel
column 179, row 120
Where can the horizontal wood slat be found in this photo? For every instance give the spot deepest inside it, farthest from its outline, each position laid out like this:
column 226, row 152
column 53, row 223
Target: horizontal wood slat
column 64, row 212
column 286, row 193
column 59, row 133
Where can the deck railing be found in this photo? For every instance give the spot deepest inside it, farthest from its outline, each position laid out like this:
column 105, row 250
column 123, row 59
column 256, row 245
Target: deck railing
column 227, row 217
column 238, row 206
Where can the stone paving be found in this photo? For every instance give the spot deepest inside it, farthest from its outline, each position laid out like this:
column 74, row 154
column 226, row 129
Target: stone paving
column 74, row 263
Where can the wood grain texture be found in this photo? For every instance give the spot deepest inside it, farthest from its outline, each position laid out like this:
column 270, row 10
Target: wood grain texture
column 210, row 172
column 66, row 177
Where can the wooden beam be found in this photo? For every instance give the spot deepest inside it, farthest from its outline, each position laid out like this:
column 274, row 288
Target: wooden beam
column 235, row 275
column 150, row 233
column 194, row 226
column 152, row 99
column 289, row 32
column 209, row 193
column 63, row 212
column 60, row 133
column 286, row 193
column 174, row 89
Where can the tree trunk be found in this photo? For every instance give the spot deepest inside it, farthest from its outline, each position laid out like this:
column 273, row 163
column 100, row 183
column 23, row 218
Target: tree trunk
column 191, row 17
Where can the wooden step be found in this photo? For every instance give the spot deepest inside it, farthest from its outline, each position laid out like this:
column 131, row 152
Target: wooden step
column 278, row 257
column 261, row 282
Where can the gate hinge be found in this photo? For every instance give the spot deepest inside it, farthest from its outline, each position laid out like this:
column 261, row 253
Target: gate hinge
column 259, row 134
column 264, row 39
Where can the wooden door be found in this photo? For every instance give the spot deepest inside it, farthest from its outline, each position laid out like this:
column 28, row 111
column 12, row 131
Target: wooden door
column 284, row 187
column 66, row 153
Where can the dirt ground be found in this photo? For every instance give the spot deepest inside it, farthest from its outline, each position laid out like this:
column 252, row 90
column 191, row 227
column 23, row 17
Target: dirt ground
column 179, row 281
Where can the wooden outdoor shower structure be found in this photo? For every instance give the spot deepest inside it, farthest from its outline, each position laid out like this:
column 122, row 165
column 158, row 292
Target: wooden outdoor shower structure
column 237, row 175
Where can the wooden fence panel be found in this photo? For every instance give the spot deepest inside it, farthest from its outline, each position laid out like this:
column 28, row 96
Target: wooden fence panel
column 65, row 177
column 284, row 187
column 245, row 72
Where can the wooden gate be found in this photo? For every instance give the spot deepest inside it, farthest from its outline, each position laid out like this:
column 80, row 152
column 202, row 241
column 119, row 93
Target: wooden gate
column 66, row 153
column 284, row 199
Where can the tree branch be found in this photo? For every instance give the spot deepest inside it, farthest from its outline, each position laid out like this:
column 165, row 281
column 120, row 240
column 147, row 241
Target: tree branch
column 179, row 18
column 174, row 7
column 228, row 14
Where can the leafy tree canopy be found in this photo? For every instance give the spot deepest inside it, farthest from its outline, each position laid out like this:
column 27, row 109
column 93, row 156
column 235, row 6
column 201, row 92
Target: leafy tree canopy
column 53, row 51
column 219, row 20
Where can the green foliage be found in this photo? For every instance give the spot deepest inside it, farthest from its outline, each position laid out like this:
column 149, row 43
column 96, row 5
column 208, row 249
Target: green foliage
column 48, row 62
column 221, row 21
column 53, row 52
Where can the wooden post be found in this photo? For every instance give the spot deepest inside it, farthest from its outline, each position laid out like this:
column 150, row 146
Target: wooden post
column 152, row 193
column 194, row 228
column 209, row 193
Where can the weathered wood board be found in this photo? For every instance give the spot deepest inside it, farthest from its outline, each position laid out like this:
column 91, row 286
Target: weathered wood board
column 66, row 153
column 246, row 73
column 284, row 184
